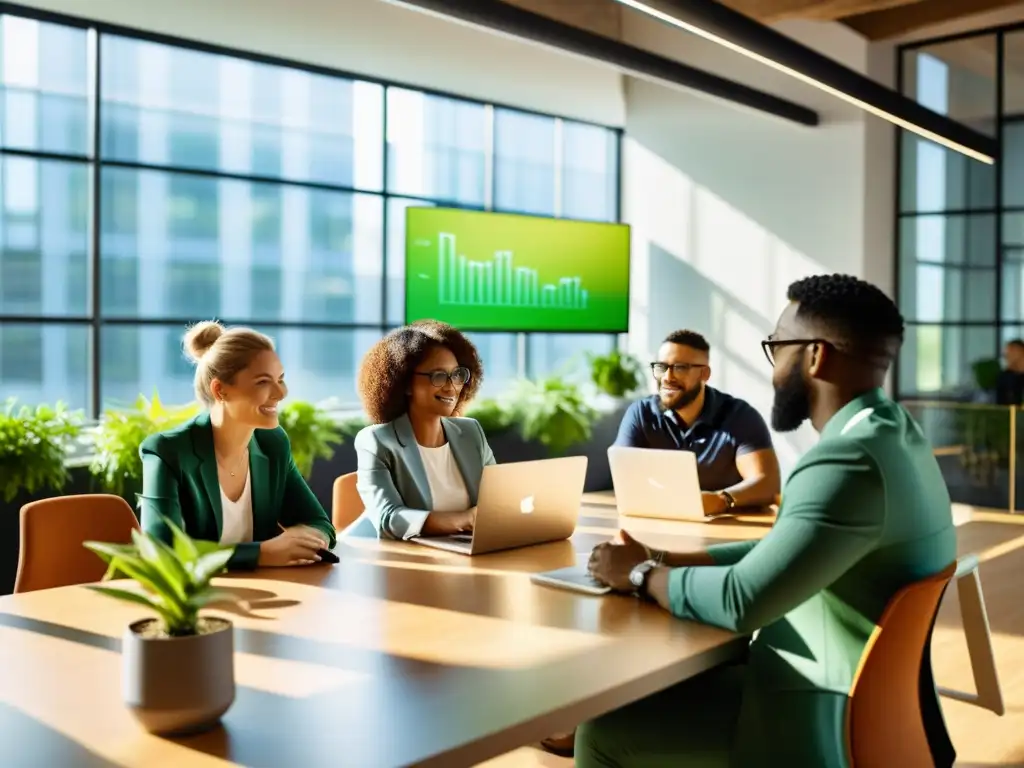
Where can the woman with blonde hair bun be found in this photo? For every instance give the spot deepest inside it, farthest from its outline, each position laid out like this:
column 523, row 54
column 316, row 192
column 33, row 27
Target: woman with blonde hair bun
column 228, row 474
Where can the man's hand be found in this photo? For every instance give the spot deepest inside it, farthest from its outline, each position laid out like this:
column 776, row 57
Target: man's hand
column 611, row 562
column 714, row 504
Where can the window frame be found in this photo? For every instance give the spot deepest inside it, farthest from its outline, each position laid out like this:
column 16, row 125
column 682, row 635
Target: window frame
column 97, row 160
column 998, row 210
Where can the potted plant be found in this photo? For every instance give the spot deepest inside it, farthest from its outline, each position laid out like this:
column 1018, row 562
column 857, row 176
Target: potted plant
column 492, row 416
column 616, row 374
column 116, row 461
column 312, row 432
column 33, row 445
column 178, row 667
column 553, row 412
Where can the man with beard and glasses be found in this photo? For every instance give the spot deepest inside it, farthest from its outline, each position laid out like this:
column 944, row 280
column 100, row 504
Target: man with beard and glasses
column 736, row 464
column 864, row 513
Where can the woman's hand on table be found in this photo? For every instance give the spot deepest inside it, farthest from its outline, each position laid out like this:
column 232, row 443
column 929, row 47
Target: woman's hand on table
column 293, row 546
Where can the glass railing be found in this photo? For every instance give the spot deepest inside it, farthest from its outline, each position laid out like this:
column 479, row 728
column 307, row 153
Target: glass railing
column 978, row 448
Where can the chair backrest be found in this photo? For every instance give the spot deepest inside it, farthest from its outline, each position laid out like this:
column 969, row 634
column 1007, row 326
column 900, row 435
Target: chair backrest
column 885, row 724
column 346, row 503
column 52, row 533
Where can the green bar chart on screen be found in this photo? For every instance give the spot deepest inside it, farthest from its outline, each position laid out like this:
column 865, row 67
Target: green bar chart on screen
column 508, row 272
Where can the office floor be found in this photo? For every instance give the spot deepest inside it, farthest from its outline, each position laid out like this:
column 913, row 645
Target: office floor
column 982, row 738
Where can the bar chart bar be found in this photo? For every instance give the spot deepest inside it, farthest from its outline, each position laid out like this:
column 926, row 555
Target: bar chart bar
column 499, row 283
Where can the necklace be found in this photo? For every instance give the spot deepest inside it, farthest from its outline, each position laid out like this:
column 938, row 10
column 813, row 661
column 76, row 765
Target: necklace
column 238, row 466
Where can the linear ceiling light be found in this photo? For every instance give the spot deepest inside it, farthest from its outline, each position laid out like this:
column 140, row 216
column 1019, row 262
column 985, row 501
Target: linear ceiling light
column 731, row 29
column 512, row 21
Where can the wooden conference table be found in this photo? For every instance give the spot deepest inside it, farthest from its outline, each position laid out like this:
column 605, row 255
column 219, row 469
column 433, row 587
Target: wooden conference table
column 400, row 655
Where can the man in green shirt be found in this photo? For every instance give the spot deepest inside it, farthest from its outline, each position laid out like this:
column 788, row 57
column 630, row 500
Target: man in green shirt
column 864, row 513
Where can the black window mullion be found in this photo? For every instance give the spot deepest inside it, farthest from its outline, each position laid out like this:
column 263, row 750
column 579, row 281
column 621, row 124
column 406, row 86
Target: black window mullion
column 96, row 302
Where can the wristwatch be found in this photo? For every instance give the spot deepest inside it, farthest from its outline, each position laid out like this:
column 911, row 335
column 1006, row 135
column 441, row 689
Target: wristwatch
column 728, row 498
column 638, row 576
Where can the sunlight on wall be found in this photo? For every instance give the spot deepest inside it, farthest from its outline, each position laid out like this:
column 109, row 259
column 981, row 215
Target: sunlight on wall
column 699, row 263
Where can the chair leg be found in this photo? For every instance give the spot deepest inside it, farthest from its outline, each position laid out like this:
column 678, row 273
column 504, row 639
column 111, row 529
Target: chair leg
column 979, row 641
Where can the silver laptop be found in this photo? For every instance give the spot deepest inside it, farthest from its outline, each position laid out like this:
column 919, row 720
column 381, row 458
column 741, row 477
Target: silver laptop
column 520, row 504
column 652, row 482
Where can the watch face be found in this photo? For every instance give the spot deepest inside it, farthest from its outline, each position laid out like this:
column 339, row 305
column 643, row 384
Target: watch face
column 636, row 576
column 639, row 573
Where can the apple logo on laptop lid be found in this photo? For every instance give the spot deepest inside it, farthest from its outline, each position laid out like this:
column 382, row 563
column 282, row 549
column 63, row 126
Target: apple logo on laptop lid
column 526, row 505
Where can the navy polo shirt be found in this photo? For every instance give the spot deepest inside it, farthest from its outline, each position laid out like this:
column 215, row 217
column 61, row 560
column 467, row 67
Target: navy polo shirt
column 726, row 428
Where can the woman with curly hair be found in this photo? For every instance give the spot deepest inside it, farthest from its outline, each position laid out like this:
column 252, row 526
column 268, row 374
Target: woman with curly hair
column 419, row 463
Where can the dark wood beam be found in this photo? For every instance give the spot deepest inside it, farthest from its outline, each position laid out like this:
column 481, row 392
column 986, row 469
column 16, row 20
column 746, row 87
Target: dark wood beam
column 825, row 10
column 882, row 25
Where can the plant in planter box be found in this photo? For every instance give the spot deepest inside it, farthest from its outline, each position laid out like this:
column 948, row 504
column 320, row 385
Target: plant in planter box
column 492, row 416
column 312, row 433
column 33, row 447
column 177, row 668
column 116, row 462
column 552, row 412
column 616, row 374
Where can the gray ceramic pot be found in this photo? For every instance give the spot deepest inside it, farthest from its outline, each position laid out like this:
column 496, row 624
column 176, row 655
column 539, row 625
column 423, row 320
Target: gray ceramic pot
column 178, row 685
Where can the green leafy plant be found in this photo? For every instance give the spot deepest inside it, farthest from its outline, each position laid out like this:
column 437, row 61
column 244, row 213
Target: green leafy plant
column 350, row 427
column 116, row 461
column 552, row 412
column 616, row 374
column 986, row 373
column 175, row 580
column 312, row 432
column 492, row 416
column 33, row 446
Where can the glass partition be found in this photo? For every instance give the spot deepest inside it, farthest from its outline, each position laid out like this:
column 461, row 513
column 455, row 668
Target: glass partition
column 978, row 448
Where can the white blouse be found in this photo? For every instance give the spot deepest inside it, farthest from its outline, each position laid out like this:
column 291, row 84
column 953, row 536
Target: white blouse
column 447, row 487
column 237, row 527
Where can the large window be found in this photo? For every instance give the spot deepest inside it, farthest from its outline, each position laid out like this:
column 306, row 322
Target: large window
column 961, row 222
column 145, row 185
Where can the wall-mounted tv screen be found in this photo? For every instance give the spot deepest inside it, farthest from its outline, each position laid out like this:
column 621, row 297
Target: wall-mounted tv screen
column 484, row 271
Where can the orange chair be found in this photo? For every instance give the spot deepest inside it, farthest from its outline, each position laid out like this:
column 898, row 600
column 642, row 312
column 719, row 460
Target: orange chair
column 52, row 533
column 346, row 503
column 894, row 717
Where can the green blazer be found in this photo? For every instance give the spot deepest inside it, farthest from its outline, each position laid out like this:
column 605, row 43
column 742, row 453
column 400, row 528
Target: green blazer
column 864, row 513
column 179, row 481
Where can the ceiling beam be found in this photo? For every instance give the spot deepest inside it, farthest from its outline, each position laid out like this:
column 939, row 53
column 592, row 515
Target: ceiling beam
column 512, row 21
column 894, row 22
column 824, row 10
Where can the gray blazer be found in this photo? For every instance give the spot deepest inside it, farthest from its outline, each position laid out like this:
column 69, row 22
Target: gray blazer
column 391, row 478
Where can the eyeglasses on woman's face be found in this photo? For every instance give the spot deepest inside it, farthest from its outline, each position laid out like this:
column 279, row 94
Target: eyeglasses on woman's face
column 459, row 377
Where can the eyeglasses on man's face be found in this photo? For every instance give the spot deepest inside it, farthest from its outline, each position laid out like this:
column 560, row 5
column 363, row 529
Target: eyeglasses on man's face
column 458, row 376
column 678, row 369
column 771, row 344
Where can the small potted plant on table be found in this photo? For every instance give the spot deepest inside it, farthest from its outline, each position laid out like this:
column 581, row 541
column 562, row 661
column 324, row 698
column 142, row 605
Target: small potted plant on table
column 178, row 667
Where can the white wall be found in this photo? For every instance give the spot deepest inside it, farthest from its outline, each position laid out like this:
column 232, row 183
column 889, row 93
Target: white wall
column 729, row 206
column 382, row 40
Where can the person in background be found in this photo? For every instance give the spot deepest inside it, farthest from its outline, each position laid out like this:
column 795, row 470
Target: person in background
column 864, row 513
column 419, row 463
column 1010, row 384
column 736, row 463
column 227, row 475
